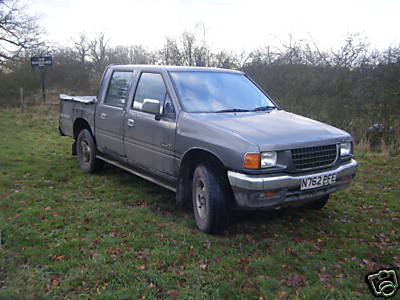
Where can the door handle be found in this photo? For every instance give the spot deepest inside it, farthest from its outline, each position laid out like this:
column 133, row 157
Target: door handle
column 103, row 116
column 131, row 122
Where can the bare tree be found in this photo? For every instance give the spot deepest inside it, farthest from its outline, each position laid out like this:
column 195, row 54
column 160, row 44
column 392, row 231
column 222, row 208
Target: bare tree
column 18, row 31
column 291, row 52
column 351, row 53
column 171, row 54
column 188, row 43
column 98, row 48
column 139, row 55
column 82, row 47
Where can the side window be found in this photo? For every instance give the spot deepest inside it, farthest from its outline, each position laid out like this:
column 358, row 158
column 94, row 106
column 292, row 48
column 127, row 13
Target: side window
column 150, row 86
column 118, row 88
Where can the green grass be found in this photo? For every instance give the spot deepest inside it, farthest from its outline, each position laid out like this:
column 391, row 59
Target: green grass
column 112, row 235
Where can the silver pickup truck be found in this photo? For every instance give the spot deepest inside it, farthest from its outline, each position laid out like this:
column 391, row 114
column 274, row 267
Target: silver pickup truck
column 213, row 136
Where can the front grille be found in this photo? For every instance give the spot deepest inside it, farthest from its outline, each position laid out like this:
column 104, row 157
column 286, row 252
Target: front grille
column 314, row 157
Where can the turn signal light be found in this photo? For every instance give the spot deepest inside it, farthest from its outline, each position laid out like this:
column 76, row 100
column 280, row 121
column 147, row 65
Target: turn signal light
column 251, row 161
column 267, row 194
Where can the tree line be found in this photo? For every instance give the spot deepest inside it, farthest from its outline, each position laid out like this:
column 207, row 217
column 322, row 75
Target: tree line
column 351, row 87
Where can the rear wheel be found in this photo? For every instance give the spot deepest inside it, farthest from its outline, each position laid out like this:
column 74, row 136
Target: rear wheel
column 210, row 199
column 86, row 150
column 319, row 203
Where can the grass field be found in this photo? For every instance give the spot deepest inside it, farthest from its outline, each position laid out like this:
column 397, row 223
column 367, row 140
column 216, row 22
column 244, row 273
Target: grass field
column 112, row 235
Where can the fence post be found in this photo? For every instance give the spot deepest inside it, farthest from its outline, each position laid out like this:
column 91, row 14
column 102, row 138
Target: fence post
column 42, row 84
column 21, row 95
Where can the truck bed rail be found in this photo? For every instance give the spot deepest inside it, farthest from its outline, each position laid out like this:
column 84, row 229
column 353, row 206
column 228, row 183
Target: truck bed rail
column 82, row 99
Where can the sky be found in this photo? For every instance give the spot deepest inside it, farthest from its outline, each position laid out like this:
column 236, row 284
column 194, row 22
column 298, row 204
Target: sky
column 237, row 25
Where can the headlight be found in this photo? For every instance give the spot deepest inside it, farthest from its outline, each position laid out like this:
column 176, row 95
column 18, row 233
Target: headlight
column 345, row 149
column 268, row 159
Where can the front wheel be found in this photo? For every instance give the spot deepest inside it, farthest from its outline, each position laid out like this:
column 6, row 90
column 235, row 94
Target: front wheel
column 210, row 199
column 86, row 150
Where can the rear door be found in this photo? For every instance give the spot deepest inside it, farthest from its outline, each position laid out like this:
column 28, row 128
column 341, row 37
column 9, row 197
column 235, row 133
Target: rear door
column 110, row 113
column 150, row 139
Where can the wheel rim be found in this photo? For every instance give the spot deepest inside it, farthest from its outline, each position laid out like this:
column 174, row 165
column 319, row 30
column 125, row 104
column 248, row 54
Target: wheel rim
column 201, row 199
column 86, row 153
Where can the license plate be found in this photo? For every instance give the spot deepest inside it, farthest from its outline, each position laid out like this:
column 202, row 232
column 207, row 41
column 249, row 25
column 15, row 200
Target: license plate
column 317, row 181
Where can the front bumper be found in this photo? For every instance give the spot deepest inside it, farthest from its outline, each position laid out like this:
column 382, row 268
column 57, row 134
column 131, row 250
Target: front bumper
column 251, row 191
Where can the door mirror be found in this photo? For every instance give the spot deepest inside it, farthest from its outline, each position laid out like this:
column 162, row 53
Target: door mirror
column 151, row 106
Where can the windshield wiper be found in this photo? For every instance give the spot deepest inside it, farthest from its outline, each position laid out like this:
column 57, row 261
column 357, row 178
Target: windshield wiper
column 262, row 108
column 232, row 110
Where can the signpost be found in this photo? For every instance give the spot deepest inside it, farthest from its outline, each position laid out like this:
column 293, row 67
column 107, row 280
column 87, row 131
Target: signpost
column 42, row 62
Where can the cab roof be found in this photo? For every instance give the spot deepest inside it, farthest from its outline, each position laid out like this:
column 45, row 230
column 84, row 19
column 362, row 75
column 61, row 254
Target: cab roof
column 173, row 68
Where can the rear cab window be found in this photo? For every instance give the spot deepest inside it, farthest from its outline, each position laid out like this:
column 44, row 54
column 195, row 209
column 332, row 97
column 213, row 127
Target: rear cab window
column 118, row 88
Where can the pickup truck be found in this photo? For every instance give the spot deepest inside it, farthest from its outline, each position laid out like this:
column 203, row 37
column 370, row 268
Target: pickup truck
column 211, row 135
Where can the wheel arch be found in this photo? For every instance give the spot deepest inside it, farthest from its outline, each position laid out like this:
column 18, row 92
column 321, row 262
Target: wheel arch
column 79, row 125
column 189, row 161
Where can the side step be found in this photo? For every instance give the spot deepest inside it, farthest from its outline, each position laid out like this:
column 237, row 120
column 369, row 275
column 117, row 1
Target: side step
column 137, row 172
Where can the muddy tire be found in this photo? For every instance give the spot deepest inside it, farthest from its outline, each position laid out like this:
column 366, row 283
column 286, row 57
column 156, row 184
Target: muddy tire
column 86, row 151
column 210, row 198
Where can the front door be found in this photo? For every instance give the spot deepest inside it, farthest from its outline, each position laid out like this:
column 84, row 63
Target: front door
column 110, row 115
column 149, row 140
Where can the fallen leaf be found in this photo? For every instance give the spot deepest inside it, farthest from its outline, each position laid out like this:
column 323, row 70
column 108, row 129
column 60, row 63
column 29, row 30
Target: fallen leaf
column 58, row 257
column 244, row 262
column 282, row 293
column 297, row 239
column 83, row 221
column 112, row 251
column 55, row 282
column 250, row 239
column 173, row 293
column 152, row 285
column 170, row 269
column 324, row 277
column 296, row 280
column 203, row 264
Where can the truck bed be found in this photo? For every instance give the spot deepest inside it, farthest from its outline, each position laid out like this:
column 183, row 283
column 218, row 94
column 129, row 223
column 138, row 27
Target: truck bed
column 73, row 108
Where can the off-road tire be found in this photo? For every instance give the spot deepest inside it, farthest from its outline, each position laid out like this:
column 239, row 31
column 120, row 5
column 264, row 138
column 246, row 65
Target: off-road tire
column 210, row 198
column 86, row 151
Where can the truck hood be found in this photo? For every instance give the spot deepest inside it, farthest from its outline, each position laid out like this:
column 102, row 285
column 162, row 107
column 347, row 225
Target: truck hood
column 276, row 130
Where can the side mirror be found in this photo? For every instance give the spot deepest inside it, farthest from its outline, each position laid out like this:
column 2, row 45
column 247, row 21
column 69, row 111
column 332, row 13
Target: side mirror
column 151, row 106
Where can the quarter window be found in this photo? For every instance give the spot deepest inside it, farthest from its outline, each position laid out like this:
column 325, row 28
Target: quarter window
column 118, row 89
column 169, row 109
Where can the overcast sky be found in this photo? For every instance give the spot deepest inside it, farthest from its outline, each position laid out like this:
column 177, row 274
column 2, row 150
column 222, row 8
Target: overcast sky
column 229, row 24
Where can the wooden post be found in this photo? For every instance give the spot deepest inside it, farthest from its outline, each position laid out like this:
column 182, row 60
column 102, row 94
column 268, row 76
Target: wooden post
column 21, row 95
column 42, row 84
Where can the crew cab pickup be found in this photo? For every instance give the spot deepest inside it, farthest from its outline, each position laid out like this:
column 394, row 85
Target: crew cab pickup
column 211, row 135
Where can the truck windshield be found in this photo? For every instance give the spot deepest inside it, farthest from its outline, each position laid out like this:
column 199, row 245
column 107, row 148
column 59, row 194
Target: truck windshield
column 218, row 92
